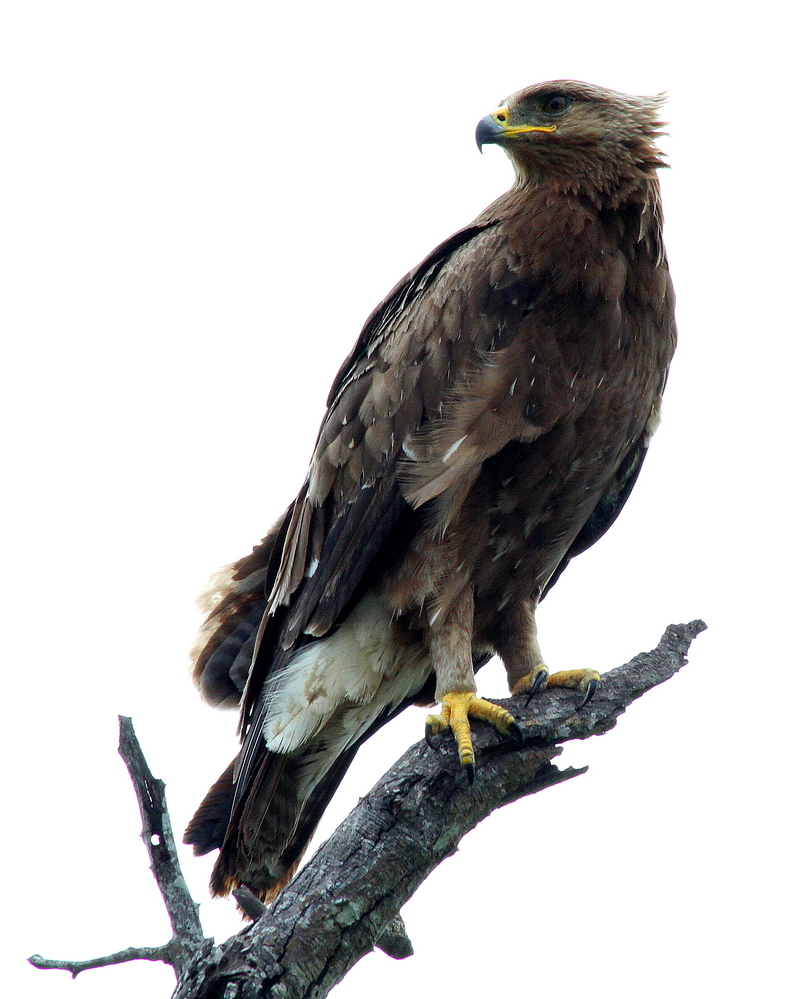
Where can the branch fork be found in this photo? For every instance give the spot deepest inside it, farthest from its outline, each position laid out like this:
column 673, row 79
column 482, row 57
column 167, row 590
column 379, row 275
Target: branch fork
column 347, row 899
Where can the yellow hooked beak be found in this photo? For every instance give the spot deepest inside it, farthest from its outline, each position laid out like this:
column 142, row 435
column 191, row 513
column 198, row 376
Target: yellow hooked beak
column 496, row 127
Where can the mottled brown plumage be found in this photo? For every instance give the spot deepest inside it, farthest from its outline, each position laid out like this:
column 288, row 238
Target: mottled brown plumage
column 486, row 428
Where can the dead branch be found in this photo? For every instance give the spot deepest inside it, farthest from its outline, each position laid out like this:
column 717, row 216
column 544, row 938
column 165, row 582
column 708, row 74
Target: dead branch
column 187, row 939
column 347, row 899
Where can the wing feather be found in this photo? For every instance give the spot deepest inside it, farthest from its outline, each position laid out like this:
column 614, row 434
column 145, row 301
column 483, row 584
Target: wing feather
column 425, row 397
column 411, row 357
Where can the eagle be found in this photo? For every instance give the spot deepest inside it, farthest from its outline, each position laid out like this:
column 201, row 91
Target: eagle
column 487, row 427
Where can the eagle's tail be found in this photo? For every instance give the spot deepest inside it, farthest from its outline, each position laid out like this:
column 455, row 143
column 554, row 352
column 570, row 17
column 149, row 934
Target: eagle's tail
column 262, row 845
column 320, row 701
column 206, row 831
column 234, row 601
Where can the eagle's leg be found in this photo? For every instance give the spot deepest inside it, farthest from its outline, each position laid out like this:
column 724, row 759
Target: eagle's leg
column 517, row 645
column 514, row 639
column 450, row 645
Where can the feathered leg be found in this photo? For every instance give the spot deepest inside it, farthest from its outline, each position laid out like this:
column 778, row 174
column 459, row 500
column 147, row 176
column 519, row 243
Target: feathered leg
column 517, row 645
column 450, row 646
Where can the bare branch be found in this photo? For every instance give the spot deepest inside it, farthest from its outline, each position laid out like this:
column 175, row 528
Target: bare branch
column 394, row 940
column 339, row 906
column 348, row 898
column 188, row 940
column 248, row 903
column 159, row 842
column 76, row 967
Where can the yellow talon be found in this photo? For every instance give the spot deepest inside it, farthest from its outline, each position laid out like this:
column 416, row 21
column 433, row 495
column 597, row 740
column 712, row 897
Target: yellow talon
column 457, row 708
column 574, row 679
column 584, row 680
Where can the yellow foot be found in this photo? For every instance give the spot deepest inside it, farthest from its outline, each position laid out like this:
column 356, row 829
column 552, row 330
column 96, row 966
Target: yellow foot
column 457, row 709
column 584, row 680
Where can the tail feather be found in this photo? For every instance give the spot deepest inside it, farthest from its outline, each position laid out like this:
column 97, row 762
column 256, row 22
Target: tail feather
column 262, row 844
column 206, row 831
column 262, row 822
column 307, row 823
column 235, row 601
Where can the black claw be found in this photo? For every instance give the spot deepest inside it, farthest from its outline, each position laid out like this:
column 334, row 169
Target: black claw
column 591, row 687
column 516, row 733
column 429, row 737
column 538, row 683
column 469, row 769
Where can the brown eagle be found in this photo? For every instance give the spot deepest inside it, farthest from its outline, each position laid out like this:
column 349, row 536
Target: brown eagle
column 488, row 426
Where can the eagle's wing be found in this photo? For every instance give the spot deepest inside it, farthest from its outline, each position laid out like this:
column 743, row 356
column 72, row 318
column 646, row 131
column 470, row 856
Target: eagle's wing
column 352, row 445
column 427, row 395
column 607, row 509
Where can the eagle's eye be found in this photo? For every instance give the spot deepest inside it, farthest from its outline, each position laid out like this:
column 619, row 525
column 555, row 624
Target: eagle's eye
column 556, row 104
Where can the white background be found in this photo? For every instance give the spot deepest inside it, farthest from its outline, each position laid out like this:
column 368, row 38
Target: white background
column 201, row 204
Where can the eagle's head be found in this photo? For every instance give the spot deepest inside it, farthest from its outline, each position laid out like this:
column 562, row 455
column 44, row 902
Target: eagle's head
column 576, row 133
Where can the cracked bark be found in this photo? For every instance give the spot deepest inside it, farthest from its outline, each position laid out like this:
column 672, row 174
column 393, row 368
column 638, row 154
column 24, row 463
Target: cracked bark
column 347, row 899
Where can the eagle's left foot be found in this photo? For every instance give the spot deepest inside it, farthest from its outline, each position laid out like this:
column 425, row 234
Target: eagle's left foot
column 584, row 680
column 457, row 709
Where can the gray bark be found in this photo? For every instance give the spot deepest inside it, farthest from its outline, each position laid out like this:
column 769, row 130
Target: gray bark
column 347, row 899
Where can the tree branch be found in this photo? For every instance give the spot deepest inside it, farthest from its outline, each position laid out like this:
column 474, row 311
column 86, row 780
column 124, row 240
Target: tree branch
column 347, row 899
column 121, row 956
column 183, row 911
column 187, row 940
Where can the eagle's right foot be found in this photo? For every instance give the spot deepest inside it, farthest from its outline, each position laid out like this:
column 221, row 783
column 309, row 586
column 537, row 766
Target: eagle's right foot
column 457, row 708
